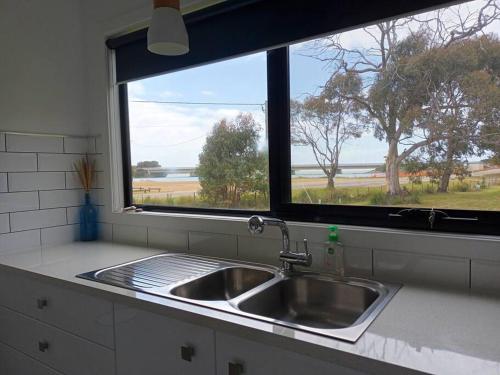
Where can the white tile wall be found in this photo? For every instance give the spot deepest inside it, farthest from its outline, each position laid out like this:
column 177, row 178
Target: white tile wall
column 33, row 143
column 213, row 244
column 485, row 276
column 17, row 162
column 258, row 249
column 168, row 240
column 61, row 198
column 19, row 241
column 37, row 204
column 3, row 183
column 57, row 162
column 422, row 269
column 36, row 181
column 37, row 219
column 79, row 145
column 4, row 223
column 129, row 234
column 12, row 202
column 59, row 235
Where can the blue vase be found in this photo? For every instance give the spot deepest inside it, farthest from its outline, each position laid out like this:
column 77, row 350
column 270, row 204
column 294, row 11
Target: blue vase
column 88, row 220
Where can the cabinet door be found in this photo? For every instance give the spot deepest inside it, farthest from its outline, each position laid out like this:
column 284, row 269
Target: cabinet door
column 13, row 362
column 153, row 344
column 237, row 356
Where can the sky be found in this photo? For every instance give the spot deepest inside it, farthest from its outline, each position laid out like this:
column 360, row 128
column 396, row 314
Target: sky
column 174, row 133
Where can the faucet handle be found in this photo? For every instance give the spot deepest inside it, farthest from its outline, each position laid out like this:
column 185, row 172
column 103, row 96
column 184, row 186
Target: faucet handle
column 306, row 247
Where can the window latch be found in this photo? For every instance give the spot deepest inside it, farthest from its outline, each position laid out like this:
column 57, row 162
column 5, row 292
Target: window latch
column 433, row 215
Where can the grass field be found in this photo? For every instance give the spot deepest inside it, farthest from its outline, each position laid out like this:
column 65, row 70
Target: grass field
column 473, row 193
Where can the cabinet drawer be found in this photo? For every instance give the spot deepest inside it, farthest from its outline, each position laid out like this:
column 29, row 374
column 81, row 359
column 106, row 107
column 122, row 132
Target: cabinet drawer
column 236, row 355
column 152, row 344
column 58, row 349
column 13, row 362
column 76, row 312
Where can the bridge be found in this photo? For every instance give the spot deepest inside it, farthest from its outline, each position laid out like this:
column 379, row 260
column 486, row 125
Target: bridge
column 164, row 172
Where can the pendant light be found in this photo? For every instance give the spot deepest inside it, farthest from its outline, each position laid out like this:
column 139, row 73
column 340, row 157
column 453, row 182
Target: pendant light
column 167, row 34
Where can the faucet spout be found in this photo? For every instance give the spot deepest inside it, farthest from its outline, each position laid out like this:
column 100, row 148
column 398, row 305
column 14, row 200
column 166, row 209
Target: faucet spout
column 288, row 258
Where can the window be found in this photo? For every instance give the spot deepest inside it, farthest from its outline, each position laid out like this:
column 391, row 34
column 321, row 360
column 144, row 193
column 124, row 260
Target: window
column 402, row 112
column 198, row 136
column 393, row 124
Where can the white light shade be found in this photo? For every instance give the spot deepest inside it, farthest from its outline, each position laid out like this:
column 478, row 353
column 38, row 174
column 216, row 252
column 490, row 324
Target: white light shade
column 167, row 34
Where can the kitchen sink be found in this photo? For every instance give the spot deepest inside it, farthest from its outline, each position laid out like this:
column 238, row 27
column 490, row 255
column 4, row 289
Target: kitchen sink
column 224, row 284
column 314, row 303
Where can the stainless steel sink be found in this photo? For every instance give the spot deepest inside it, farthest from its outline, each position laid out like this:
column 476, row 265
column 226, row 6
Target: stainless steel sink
column 224, row 284
column 313, row 303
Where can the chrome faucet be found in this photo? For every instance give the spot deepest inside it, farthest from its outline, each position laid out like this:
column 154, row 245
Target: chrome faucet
column 288, row 258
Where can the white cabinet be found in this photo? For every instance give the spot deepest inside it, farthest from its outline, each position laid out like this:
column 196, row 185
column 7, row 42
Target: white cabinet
column 13, row 362
column 61, row 306
column 152, row 344
column 237, row 356
column 54, row 347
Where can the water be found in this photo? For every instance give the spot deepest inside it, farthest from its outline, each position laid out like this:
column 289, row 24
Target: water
column 347, row 173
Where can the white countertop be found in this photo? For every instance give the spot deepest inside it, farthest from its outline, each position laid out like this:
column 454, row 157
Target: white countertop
column 422, row 329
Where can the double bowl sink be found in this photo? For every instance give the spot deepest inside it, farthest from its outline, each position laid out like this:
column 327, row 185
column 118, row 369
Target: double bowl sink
column 309, row 302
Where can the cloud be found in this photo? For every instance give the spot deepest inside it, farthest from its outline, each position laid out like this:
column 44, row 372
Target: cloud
column 175, row 134
column 207, row 93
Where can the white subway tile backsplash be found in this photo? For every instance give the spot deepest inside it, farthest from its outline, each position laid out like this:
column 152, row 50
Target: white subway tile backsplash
column 213, row 244
column 129, row 234
column 421, row 269
column 36, row 181
column 61, row 198
column 485, row 276
column 164, row 239
column 105, row 232
column 19, row 241
column 17, row 162
column 40, row 197
column 258, row 249
column 3, row 183
column 57, row 162
column 79, row 145
column 73, row 182
column 99, row 162
column 73, row 214
column 99, row 144
column 37, row 219
column 60, row 235
column 12, row 202
column 33, row 143
column 4, row 223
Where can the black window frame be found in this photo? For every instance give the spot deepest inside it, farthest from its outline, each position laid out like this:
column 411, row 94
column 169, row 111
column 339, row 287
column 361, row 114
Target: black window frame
column 278, row 82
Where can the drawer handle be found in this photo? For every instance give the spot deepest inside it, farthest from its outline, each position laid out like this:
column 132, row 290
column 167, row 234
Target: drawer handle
column 41, row 303
column 187, row 353
column 43, row 346
column 235, row 368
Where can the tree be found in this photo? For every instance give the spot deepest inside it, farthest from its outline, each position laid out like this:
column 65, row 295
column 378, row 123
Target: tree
column 230, row 163
column 464, row 99
column 392, row 94
column 325, row 122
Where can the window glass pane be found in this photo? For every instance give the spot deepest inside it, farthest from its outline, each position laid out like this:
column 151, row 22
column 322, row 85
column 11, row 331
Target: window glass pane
column 198, row 137
column 405, row 112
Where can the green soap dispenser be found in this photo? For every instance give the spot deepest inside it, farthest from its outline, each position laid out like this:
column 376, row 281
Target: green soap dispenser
column 334, row 254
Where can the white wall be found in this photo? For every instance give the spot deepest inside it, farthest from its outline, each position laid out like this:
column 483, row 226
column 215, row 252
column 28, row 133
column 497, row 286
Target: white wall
column 42, row 67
